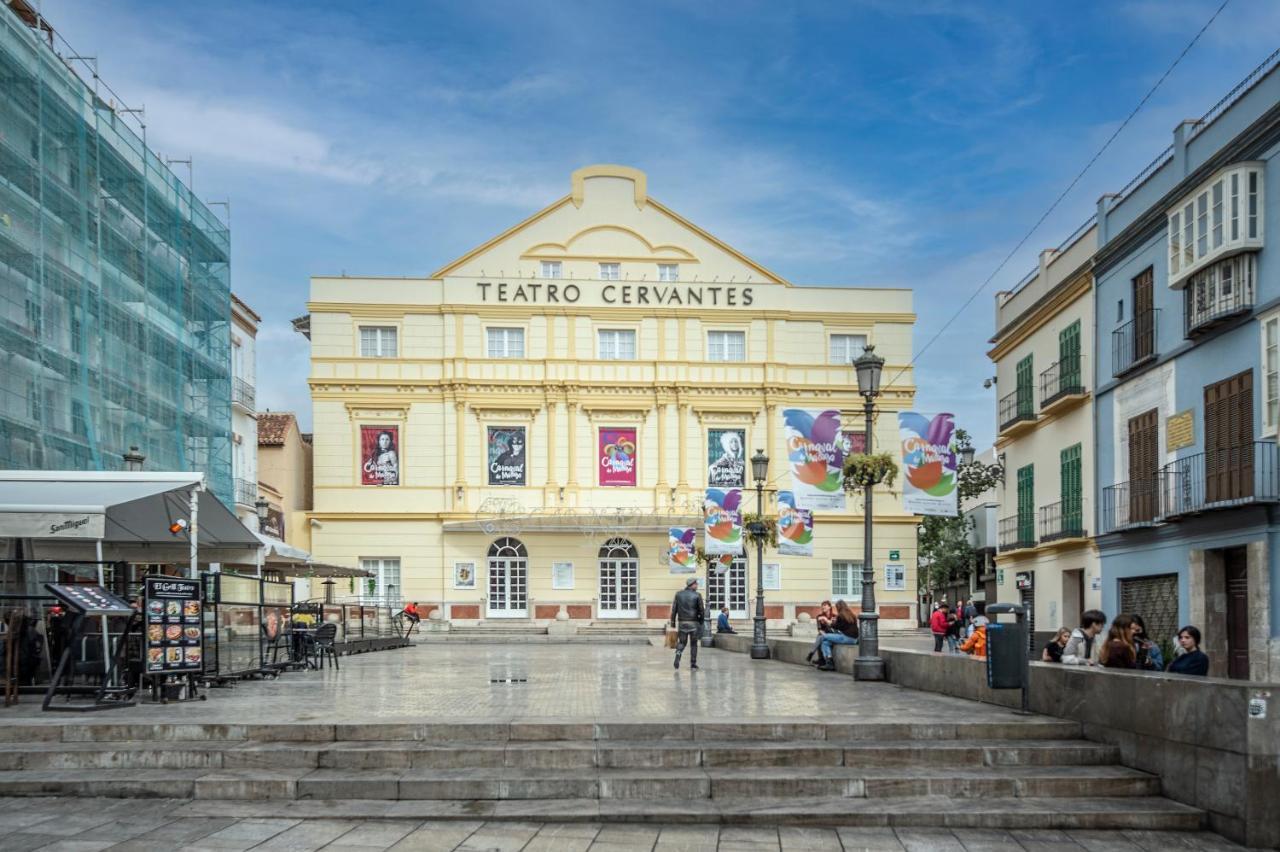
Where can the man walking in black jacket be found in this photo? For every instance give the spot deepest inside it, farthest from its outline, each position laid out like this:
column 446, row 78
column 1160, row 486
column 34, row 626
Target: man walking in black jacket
column 690, row 611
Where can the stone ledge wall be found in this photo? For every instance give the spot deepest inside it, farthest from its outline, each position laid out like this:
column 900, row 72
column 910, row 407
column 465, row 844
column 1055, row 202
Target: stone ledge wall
column 1195, row 733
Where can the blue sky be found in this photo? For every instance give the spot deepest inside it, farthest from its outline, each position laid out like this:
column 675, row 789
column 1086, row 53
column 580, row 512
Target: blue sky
column 874, row 143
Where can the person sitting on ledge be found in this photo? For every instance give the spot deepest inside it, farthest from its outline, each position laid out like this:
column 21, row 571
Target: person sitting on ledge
column 1192, row 661
column 1079, row 650
column 1052, row 652
column 825, row 618
column 1119, row 651
column 845, row 633
column 722, row 621
column 411, row 613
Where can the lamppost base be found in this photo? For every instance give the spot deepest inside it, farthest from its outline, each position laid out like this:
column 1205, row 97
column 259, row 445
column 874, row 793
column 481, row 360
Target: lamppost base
column 759, row 645
column 759, row 653
column 868, row 668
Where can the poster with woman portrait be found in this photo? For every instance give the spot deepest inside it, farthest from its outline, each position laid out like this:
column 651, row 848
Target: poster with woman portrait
column 618, row 456
column 726, row 458
column 379, row 455
column 506, row 455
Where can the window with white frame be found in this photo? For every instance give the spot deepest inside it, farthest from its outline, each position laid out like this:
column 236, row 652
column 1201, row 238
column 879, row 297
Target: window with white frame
column 386, row 574
column 551, row 269
column 1220, row 290
column 895, row 577
column 610, row 271
column 377, row 341
column 1271, row 374
column 617, row 344
column 1222, row 216
column 668, row 272
column 504, row 342
column 726, row 346
column 846, row 348
column 846, row 578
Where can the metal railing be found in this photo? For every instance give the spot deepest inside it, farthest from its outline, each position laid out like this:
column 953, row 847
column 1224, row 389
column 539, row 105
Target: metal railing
column 1062, row 520
column 1017, row 407
column 1134, row 343
column 242, row 393
column 246, row 493
column 1126, row 505
column 1017, row 532
column 1220, row 478
column 1202, row 311
column 1063, row 378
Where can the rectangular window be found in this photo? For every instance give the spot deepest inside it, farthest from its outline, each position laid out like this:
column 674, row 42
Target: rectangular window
column 1027, row 504
column 846, row 348
column 1026, row 388
column 726, row 346
column 377, row 341
column 504, row 342
column 1217, row 215
column 33, row 401
column 1202, row 225
column 1069, row 357
column 1188, row 235
column 551, row 269
column 668, row 272
column 1175, row 242
column 386, row 577
column 895, row 578
column 1120, row 310
column 1235, row 207
column 1271, row 371
column 846, row 578
column 610, row 271
column 1072, row 484
column 1253, row 205
column 617, row 344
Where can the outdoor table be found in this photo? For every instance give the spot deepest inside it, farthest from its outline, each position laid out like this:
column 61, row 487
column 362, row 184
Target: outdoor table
column 302, row 637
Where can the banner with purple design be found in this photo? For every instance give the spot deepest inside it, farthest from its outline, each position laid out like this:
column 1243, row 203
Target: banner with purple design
column 722, row 521
column 815, row 451
column 680, row 553
column 795, row 527
column 928, row 463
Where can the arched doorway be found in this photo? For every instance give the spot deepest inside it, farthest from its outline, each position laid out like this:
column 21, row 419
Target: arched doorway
column 508, row 579
column 728, row 589
column 619, row 579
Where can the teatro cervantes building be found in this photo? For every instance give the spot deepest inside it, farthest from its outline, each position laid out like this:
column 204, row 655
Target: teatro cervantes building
column 513, row 435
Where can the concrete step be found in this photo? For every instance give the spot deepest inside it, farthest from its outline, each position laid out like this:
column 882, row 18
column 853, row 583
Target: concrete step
column 487, row 784
column 1136, row 813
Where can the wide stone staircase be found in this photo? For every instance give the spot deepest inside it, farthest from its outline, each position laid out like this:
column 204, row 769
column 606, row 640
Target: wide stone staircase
column 1025, row 773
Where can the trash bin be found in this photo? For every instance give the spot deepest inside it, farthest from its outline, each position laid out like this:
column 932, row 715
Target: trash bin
column 1006, row 654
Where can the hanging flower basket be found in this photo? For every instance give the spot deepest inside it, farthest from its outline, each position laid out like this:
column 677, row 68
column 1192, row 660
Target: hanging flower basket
column 770, row 536
column 863, row 469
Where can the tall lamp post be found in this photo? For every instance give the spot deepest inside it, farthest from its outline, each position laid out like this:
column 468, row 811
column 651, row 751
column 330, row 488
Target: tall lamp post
column 759, row 641
column 868, row 665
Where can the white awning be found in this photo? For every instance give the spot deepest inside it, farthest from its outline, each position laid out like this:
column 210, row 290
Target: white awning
column 277, row 552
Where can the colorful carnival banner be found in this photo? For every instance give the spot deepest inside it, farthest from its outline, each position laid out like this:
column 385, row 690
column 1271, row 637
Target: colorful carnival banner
column 815, row 450
column 680, row 553
column 379, row 455
column 618, row 456
column 726, row 458
column 506, row 455
column 795, row 527
column 722, row 521
column 928, row 463
column 723, row 564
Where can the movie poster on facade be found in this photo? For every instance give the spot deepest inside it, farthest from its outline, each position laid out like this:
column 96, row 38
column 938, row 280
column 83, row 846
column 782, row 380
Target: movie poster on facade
column 722, row 521
column 506, row 454
column 726, row 458
column 815, row 451
column 379, row 455
column 795, row 527
column 618, row 456
column 680, row 555
column 928, row 463
column 853, row 442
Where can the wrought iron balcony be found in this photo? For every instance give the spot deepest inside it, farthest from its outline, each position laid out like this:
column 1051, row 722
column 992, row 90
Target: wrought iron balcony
column 1017, row 407
column 242, row 394
column 246, row 493
column 1134, row 343
column 1206, row 307
column 1127, row 505
column 1017, row 532
column 1062, row 520
column 1063, row 379
column 1219, row 479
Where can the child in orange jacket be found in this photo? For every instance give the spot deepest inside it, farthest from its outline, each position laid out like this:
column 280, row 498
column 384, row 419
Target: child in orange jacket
column 976, row 644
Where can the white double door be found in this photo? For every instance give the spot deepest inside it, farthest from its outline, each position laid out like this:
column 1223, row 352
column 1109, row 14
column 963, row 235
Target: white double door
column 728, row 589
column 508, row 587
column 620, row 588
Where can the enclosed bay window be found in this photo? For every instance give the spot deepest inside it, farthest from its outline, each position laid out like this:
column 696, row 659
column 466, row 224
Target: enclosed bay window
column 726, row 346
column 1222, row 217
column 610, row 271
column 377, row 341
column 617, row 344
column 668, row 272
column 551, row 269
column 505, row 342
column 1219, row 292
column 846, row 348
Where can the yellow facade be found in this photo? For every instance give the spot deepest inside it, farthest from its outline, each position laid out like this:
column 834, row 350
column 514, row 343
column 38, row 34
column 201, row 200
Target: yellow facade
column 438, row 393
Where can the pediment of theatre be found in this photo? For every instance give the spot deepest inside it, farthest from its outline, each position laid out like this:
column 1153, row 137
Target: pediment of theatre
column 608, row 217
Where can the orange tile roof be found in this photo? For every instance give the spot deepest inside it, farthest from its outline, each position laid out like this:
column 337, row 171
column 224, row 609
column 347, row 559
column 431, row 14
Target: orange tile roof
column 273, row 427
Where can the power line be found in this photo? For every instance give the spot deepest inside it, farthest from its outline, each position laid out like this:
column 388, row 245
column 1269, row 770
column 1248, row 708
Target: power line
column 1062, row 195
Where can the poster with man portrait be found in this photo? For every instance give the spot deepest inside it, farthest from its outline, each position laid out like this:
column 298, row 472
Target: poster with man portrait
column 726, row 458
column 379, row 455
column 506, row 454
column 854, row 441
column 618, row 456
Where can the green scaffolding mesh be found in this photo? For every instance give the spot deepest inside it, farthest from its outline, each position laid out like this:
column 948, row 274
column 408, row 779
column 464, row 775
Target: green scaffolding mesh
column 115, row 301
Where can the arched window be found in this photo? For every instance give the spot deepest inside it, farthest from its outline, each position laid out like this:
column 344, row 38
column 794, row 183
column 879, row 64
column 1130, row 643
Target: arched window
column 508, row 548
column 619, row 548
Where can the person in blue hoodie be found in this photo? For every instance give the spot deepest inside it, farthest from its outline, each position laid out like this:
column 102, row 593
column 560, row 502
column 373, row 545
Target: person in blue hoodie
column 1193, row 661
column 722, row 622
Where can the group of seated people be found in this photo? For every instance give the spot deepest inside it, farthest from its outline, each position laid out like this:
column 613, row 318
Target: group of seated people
column 837, row 625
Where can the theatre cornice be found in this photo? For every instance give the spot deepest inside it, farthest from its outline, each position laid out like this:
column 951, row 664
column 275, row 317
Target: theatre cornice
column 524, row 311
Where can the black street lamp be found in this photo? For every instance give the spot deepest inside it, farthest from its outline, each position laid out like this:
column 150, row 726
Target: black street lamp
column 869, row 665
column 262, row 509
column 966, row 456
column 759, row 641
column 133, row 460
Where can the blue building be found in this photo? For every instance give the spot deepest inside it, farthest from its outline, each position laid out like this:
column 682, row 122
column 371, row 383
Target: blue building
column 1187, row 290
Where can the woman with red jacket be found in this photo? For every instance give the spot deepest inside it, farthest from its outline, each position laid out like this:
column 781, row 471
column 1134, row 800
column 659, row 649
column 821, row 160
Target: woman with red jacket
column 938, row 624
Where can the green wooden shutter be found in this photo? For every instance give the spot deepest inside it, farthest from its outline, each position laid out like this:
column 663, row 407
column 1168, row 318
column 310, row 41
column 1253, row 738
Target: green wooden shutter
column 1072, row 491
column 1026, row 397
column 1026, row 504
column 1069, row 357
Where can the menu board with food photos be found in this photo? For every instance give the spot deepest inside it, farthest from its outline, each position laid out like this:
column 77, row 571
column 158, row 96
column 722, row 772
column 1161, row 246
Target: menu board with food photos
column 175, row 636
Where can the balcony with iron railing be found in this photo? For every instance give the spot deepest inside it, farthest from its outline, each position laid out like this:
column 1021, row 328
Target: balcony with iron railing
column 1017, row 411
column 246, row 493
column 1062, row 521
column 1134, row 343
column 1204, row 308
column 1220, row 479
column 1129, row 505
column 1061, row 385
column 1017, row 532
column 242, row 394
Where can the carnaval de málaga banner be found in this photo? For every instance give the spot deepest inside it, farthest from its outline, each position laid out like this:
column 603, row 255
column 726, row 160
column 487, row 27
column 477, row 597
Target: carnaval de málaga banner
column 680, row 553
column 722, row 521
column 928, row 463
column 726, row 458
column 506, row 455
column 795, row 527
column 379, row 455
column 618, row 456
column 815, row 451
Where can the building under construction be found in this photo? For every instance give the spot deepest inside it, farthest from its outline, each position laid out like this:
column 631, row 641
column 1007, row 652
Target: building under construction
column 114, row 279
